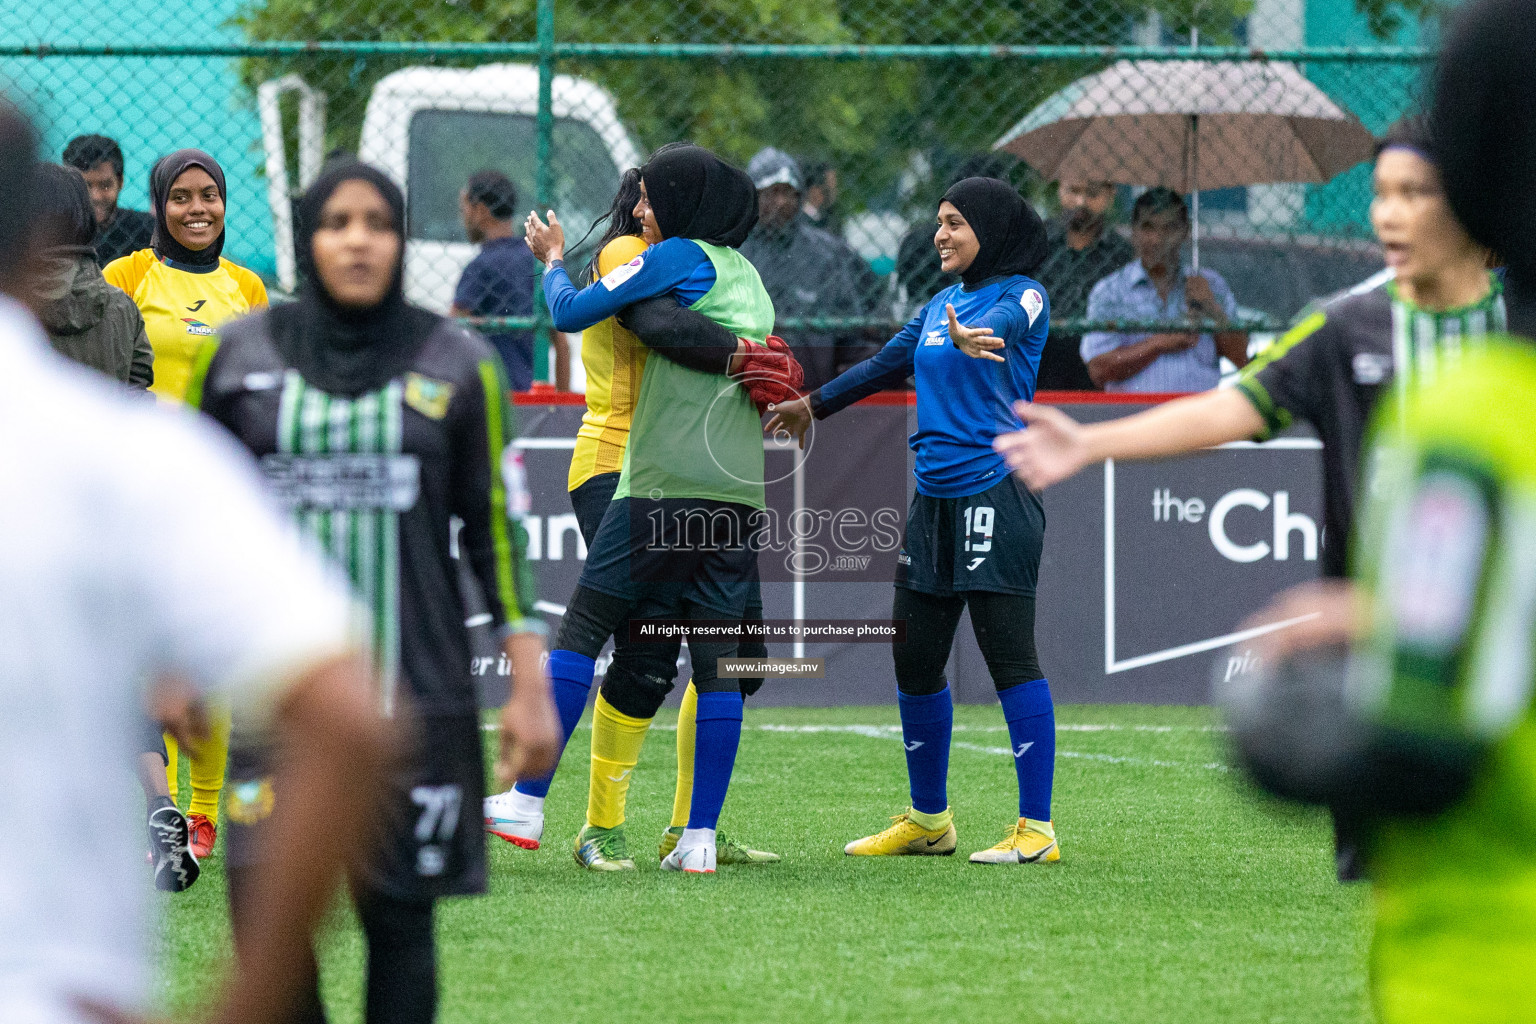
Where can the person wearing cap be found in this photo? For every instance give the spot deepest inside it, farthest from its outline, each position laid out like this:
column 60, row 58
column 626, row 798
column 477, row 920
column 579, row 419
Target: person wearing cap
column 807, row 271
column 1330, row 370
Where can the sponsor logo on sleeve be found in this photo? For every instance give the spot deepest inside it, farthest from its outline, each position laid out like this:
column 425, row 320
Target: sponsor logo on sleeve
column 1033, row 302
column 618, row 275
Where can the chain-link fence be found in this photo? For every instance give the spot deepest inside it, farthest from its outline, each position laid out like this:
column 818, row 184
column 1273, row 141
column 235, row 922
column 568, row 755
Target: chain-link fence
column 882, row 104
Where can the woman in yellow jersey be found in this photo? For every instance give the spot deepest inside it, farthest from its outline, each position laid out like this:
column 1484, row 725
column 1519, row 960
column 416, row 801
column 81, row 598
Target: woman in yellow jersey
column 614, row 360
column 182, row 285
column 185, row 290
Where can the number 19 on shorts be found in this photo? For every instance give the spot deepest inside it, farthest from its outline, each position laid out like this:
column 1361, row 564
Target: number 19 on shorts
column 978, row 528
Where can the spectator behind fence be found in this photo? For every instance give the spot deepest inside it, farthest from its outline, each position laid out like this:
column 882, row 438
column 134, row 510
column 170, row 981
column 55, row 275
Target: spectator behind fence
column 499, row 280
column 1156, row 286
column 87, row 320
column 819, row 196
column 1084, row 248
column 118, row 231
column 806, row 271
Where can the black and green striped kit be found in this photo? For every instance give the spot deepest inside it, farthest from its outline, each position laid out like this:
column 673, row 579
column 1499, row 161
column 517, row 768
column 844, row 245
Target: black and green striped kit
column 380, row 480
column 1331, row 369
column 340, row 462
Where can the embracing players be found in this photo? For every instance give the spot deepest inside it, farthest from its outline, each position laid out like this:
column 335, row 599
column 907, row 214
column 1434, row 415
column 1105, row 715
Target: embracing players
column 615, row 356
column 676, row 540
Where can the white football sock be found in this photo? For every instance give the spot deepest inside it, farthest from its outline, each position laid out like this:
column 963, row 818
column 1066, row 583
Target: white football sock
column 696, row 837
column 524, row 804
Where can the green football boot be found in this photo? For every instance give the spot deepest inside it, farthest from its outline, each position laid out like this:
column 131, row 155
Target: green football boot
column 727, row 850
column 602, row 849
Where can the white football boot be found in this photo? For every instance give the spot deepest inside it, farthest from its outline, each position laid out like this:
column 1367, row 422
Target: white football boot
column 513, row 817
column 694, row 860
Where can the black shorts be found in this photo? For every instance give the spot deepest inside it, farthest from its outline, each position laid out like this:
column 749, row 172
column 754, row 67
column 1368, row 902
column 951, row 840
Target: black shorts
column 590, row 500
column 660, row 553
column 987, row 542
column 432, row 841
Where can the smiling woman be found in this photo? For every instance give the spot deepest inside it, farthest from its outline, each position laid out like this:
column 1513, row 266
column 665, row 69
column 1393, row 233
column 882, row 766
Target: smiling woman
column 182, row 285
column 185, row 290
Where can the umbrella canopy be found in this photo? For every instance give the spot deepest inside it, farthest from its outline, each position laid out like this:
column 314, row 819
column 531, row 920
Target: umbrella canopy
column 1190, row 125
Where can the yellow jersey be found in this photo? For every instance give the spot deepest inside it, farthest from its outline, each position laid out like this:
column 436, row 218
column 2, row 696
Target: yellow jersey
column 615, row 361
column 182, row 309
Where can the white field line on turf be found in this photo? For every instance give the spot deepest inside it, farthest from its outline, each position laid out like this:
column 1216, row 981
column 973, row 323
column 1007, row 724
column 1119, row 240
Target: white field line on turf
column 893, row 732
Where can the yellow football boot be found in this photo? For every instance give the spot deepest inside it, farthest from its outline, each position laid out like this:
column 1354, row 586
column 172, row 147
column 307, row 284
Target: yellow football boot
column 1027, row 842
column 908, row 838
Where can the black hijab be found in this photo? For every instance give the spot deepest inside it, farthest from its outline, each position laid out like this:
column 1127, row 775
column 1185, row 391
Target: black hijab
column 695, row 194
column 1483, row 123
column 1011, row 234
column 344, row 350
column 166, row 170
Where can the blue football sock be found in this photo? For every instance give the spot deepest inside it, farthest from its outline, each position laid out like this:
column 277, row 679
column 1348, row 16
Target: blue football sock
column 926, row 722
column 1031, row 721
column 716, row 737
column 570, row 676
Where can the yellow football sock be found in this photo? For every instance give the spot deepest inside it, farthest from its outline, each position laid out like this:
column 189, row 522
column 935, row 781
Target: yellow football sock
column 208, row 763
column 932, row 822
column 172, row 765
column 616, row 742
column 682, row 797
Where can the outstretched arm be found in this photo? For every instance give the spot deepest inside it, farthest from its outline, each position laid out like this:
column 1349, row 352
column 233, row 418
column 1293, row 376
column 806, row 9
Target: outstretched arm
column 1053, row 446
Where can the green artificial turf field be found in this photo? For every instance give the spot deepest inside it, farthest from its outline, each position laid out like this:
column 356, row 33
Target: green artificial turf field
column 1180, row 897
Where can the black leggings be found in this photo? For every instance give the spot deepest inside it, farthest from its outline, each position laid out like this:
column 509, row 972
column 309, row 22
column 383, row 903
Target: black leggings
column 638, row 670
column 641, row 674
column 402, row 955
column 1005, row 631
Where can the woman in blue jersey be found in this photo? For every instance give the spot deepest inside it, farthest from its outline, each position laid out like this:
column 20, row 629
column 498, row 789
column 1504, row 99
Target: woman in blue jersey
column 973, row 535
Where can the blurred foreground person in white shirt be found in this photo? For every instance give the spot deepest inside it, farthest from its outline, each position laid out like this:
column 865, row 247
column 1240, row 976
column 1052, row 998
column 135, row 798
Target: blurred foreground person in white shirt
column 140, row 567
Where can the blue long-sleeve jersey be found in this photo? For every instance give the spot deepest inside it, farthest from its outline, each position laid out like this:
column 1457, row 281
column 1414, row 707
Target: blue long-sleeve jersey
column 962, row 403
column 676, row 266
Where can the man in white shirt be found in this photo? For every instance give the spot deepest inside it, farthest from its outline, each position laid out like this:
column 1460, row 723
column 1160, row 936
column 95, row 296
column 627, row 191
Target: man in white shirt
column 137, row 551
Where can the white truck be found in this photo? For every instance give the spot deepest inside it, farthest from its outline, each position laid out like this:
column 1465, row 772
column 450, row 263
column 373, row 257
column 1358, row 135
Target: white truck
column 431, row 128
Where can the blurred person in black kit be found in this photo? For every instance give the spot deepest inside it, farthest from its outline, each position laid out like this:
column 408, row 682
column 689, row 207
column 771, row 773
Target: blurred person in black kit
column 806, row 271
column 118, row 231
column 917, row 261
column 351, row 374
column 1084, row 249
column 87, row 319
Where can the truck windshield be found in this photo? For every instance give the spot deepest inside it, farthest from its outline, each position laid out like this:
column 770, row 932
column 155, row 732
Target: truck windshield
column 447, row 146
